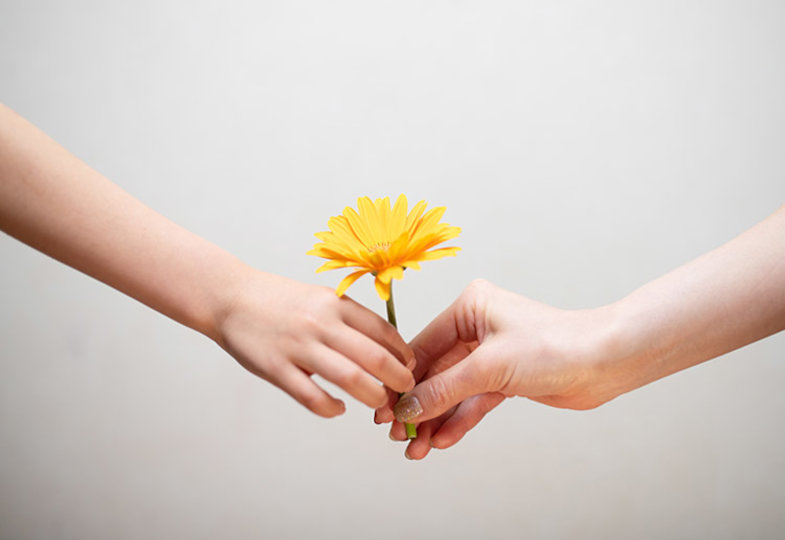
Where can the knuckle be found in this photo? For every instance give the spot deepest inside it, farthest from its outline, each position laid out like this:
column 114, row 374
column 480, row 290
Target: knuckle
column 438, row 393
column 351, row 378
column 388, row 331
column 312, row 401
column 378, row 397
column 478, row 286
column 323, row 303
column 314, row 322
column 376, row 362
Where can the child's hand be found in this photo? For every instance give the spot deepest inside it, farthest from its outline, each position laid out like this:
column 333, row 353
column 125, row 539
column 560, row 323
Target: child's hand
column 284, row 331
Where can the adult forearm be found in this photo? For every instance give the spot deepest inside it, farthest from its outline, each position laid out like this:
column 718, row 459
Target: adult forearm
column 726, row 299
column 52, row 201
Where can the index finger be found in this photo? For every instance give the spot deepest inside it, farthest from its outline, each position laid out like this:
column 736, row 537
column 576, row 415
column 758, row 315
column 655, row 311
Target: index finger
column 369, row 323
column 450, row 328
column 425, row 370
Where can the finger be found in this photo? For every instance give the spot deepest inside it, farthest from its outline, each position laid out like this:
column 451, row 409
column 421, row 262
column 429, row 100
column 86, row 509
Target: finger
column 418, row 448
column 459, row 351
column 466, row 416
column 398, row 432
column 424, row 371
column 302, row 388
column 443, row 333
column 344, row 373
column 384, row 414
column 444, row 390
column 374, row 327
column 372, row 357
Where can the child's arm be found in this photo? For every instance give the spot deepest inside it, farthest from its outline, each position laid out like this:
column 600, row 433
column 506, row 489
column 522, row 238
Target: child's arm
column 280, row 329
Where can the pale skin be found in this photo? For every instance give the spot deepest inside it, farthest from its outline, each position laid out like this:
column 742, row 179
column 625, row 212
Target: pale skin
column 279, row 329
column 492, row 344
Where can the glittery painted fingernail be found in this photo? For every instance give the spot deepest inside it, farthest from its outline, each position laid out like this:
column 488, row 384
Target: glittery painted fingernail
column 408, row 408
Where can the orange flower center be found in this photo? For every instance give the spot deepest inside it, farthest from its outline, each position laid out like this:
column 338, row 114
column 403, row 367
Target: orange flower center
column 379, row 246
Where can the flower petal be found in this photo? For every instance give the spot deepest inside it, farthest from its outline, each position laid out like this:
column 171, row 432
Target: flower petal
column 439, row 253
column 334, row 264
column 348, row 280
column 359, row 228
column 398, row 248
column 429, row 221
column 384, row 218
column 398, row 222
column 382, row 289
column 389, row 273
column 415, row 214
column 370, row 219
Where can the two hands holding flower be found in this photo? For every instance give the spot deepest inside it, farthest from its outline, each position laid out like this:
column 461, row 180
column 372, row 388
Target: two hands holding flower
column 488, row 345
column 384, row 241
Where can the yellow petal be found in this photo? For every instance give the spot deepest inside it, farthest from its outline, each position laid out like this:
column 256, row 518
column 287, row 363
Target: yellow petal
column 429, row 221
column 334, row 264
column 348, row 280
column 439, row 253
column 382, row 289
column 399, row 247
column 389, row 273
column 340, row 228
column 331, row 252
column 370, row 219
column 426, row 242
column 384, row 218
column 415, row 214
column 398, row 219
column 358, row 226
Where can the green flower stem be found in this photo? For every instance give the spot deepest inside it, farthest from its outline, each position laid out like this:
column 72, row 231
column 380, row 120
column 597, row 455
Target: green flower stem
column 411, row 429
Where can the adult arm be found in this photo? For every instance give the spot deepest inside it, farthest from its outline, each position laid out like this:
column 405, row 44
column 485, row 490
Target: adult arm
column 491, row 343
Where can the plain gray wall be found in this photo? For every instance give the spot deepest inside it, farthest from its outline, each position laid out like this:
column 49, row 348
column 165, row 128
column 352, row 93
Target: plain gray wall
column 585, row 148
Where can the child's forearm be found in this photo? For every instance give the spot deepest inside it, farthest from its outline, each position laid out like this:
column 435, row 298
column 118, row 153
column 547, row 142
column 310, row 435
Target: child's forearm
column 52, row 201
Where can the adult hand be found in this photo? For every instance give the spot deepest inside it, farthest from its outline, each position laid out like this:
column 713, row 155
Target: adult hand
column 488, row 345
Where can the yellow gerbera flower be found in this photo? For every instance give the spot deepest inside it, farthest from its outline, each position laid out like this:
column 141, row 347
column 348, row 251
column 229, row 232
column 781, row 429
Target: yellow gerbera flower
column 383, row 241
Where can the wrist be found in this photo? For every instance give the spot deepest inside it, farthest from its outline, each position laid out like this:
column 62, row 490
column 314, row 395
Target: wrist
column 584, row 349
column 622, row 362
column 595, row 349
column 228, row 284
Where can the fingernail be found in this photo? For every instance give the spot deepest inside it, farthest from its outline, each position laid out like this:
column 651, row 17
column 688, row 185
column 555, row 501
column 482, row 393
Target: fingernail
column 408, row 408
column 391, row 437
column 406, row 454
column 376, row 418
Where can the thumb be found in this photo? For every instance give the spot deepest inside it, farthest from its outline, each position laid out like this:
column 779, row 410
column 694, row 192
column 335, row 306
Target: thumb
column 443, row 391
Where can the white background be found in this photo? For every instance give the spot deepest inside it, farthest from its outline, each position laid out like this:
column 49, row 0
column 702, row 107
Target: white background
column 585, row 148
